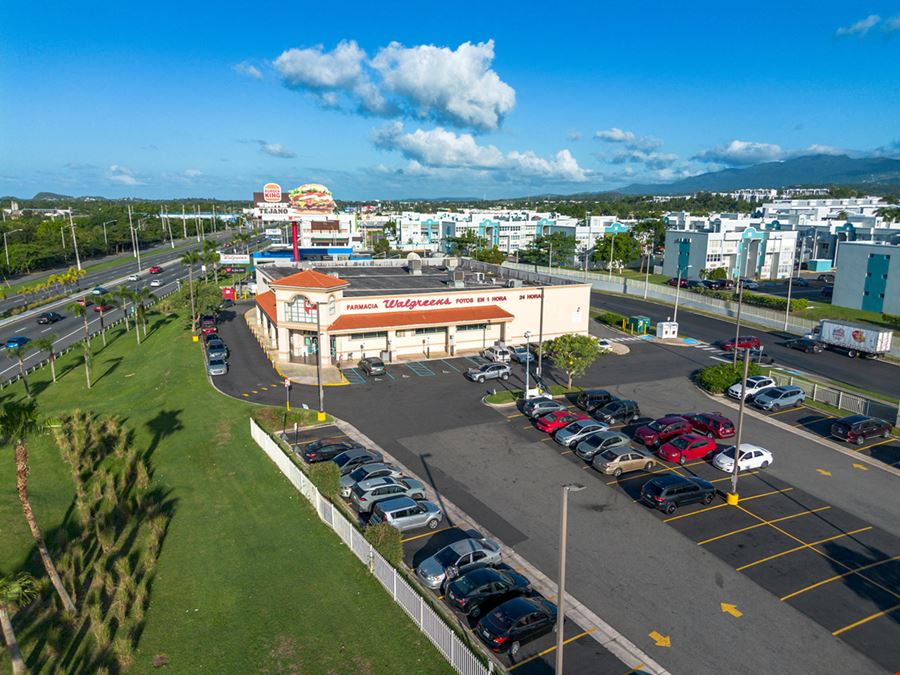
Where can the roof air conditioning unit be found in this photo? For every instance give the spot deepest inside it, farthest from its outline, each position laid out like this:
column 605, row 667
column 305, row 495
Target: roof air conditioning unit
column 514, row 283
column 479, row 277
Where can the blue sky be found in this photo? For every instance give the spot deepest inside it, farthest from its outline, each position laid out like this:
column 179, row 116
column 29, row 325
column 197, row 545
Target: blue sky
column 412, row 100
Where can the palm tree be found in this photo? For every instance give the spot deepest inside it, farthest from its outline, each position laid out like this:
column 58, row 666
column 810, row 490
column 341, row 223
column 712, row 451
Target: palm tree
column 82, row 311
column 139, row 297
column 14, row 591
column 211, row 260
column 19, row 352
column 101, row 309
column 190, row 259
column 125, row 296
column 46, row 344
column 17, row 422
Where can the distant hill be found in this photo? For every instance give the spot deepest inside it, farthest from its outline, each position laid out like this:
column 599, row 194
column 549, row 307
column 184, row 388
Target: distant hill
column 52, row 197
column 876, row 174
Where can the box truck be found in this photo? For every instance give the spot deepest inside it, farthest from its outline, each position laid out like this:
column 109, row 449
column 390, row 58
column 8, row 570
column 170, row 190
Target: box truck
column 854, row 339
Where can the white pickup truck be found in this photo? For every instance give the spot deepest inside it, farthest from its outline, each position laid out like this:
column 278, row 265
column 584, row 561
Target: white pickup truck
column 854, row 339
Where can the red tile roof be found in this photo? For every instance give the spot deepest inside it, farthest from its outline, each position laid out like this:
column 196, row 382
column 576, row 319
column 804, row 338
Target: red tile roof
column 309, row 279
column 426, row 317
column 266, row 302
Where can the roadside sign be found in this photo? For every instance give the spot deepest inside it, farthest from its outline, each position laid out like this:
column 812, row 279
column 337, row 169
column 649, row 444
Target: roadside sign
column 287, row 382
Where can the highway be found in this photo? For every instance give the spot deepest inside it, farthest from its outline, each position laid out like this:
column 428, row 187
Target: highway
column 876, row 376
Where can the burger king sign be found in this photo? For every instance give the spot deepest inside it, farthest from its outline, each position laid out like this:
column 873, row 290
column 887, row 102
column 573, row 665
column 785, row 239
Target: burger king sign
column 272, row 192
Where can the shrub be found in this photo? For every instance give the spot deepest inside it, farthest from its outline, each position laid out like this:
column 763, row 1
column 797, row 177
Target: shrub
column 611, row 319
column 716, row 379
column 756, row 299
column 386, row 540
column 327, row 477
column 891, row 320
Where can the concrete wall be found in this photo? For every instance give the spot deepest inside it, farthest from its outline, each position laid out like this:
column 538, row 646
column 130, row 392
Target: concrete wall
column 868, row 278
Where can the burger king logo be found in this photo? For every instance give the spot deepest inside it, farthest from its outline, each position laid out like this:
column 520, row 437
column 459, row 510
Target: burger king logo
column 272, row 192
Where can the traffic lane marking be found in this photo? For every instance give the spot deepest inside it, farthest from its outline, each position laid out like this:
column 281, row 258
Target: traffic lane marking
column 803, row 546
column 718, row 506
column 426, row 534
column 551, row 649
column 756, row 525
column 857, row 624
column 855, row 570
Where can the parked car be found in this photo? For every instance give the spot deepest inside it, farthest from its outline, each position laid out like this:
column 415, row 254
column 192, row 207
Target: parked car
column 757, row 356
column 451, row 561
column 799, row 281
column 17, row 341
column 99, row 290
column 515, row 623
column 578, row 431
column 715, row 284
column 481, row 590
column 366, row 494
column 755, row 385
column 522, row 354
column 326, row 448
column 216, row 349
column 674, row 281
column 156, row 269
column 661, row 430
column 209, row 337
column 406, row 514
column 367, row 472
column 827, row 292
column 489, row 371
column 714, row 425
column 621, row 459
column 620, row 411
column 826, row 278
column 541, row 405
column 860, row 428
column 752, row 457
column 156, row 283
column 104, row 307
column 217, row 367
column 600, row 441
column 604, row 345
column 780, row 397
column 807, row 345
column 207, row 324
column 49, row 317
column 743, row 342
column 593, row 398
column 687, row 447
column 355, row 457
column 371, row 365
column 556, row 420
column 134, row 277
column 497, row 354
column 668, row 493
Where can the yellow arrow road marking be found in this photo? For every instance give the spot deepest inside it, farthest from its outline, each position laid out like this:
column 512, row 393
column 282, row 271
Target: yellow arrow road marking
column 660, row 640
column 861, row 467
column 728, row 608
column 824, row 472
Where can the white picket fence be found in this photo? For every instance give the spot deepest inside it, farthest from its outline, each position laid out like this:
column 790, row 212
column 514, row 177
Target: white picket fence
column 840, row 399
column 448, row 643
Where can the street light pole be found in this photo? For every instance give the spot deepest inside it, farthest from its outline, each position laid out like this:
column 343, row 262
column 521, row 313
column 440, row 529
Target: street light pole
column 6, row 246
column 733, row 497
column 319, row 359
column 612, row 247
column 678, row 291
column 737, row 327
column 561, row 587
column 105, row 240
column 527, row 359
column 539, row 372
column 787, row 307
column 74, row 241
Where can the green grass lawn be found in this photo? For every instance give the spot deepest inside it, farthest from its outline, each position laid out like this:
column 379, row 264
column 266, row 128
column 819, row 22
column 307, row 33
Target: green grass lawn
column 249, row 580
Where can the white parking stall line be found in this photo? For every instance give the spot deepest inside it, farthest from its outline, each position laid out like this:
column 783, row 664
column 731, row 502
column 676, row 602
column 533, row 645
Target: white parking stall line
column 718, row 358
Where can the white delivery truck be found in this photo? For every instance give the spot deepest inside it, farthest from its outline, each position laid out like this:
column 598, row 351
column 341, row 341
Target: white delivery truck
column 854, row 339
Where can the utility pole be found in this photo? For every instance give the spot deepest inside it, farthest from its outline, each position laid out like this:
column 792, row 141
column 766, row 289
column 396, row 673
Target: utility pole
column 105, row 239
column 561, row 584
column 787, row 307
column 184, row 221
column 732, row 498
column 540, row 336
column 74, row 241
column 6, row 245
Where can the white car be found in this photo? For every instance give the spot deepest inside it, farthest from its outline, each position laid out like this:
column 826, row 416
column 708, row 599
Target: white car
column 497, row 354
column 577, row 431
column 752, row 457
column 604, row 344
column 133, row 277
column 755, row 385
column 156, row 283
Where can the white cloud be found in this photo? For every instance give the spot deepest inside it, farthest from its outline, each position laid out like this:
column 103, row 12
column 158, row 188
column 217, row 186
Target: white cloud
column 860, row 28
column 615, row 135
column 248, row 69
column 651, row 159
column 573, row 135
column 454, row 86
column 192, row 173
column 440, row 148
column 892, row 25
column 122, row 175
column 275, row 149
column 741, row 153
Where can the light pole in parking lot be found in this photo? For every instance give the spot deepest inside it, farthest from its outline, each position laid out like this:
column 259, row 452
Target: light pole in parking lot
column 678, row 291
column 527, row 359
column 732, row 497
column 561, row 588
column 6, row 245
column 319, row 360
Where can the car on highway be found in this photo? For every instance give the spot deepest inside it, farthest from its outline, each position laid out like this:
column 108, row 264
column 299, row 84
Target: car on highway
column 84, row 301
column 217, row 367
column 807, row 345
column 600, row 441
column 451, row 561
column 757, row 356
column 521, row 354
column 755, row 385
column 661, row 430
column 216, row 349
column 489, row 371
column 799, row 281
column 752, row 457
column 622, row 459
column 351, row 459
column 367, row 472
column 481, row 590
column 788, row 396
column 670, row 492
column 497, row 354
column 104, row 307
column 516, row 622
column 155, row 283
column 17, row 341
column 826, row 278
column 743, row 342
column 155, row 269
column 49, row 317
column 674, row 281
column 749, row 284
column 99, row 290
column 557, row 419
column 324, row 449
column 541, row 405
column 713, row 424
column 593, row 398
column 578, row 431
column 686, row 448
column 618, row 411
column 371, row 365
column 860, row 428
column 134, row 277
column 364, row 495
column 405, row 514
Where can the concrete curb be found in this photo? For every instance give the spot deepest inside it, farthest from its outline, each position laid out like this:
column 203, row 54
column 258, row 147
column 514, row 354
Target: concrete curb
column 627, row 652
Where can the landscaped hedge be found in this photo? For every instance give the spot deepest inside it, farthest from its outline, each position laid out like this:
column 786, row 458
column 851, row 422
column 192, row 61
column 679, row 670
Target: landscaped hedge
column 386, row 540
column 612, row 319
column 716, row 379
column 327, row 477
column 891, row 320
column 756, row 299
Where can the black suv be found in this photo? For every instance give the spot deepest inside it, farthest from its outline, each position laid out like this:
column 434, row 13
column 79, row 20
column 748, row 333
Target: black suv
column 593, row 398
column 480, row 590
column 859, row 428
column 324, row 449
column 615, row 412
column 667, row 493
column 49, row 317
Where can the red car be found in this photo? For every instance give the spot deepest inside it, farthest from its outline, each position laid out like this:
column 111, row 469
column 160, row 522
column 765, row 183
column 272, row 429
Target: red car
column 156, row 269
column 714, row 425
column 207, row 325
column 674, row 282
column 103, row 308
column 556, row 420
column 661, row 430
column 743, row 342
column 84, row 302
column 687, row 447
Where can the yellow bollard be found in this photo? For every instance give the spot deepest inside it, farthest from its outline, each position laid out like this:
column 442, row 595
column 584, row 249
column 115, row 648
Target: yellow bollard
column 732, row 499
column 196, row 338
column 320, row 416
